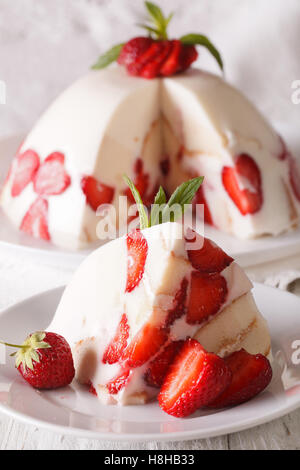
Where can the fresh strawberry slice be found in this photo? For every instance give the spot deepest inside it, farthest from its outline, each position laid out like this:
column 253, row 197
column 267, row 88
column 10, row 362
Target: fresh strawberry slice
column 119, row 382
column 133, row 49
column 171, row 64
column 141, row 181
column 35, row 221
column 148, row 56
column 92, row 389
column 145, row 344
column 207, row 295
column 209, row 258
column 113, row 352
column 200, row 199
column 96, row 193
column 158, row 368
column 251, row 374
column 195, row 379
column 137, row 249
column 51, row 178
column 152, row 68
column 26, row 167
column 250, row 199
column 179, row 304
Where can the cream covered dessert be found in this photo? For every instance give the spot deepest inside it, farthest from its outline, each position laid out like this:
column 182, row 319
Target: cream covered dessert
column 160, row 130
column 158, row 123
column 133, row 301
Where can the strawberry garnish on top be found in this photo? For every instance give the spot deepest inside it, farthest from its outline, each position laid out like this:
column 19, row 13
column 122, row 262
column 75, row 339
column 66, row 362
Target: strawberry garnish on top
column 27, row 164
column 194, row 380
column 251, row 374
column 209, row 257
column 45, row 360
column 157, row 55
column 243, row 184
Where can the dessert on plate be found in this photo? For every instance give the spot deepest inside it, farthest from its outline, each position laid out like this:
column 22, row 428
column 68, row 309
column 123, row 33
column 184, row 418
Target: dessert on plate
column 160, row 297
column 156, row 119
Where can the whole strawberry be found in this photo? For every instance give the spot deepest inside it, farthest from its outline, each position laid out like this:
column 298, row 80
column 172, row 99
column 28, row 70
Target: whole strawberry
column 45, row 360
column 157, row 55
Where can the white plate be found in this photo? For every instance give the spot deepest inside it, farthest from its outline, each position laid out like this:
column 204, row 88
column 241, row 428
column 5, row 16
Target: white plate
column 246, row 252
column 74, row 411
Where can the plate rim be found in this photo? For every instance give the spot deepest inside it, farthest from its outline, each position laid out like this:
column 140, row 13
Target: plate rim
column 248, row 423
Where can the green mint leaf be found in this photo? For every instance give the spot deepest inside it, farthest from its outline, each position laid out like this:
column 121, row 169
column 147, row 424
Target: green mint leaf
column 144, row 222
column 107, row 58
column 160, row 200
column 149, row 29
column 183, row 195
column 201, row 40
column 159, row 20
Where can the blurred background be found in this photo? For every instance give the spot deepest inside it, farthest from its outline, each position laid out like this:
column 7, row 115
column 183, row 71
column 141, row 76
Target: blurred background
column 47, row 44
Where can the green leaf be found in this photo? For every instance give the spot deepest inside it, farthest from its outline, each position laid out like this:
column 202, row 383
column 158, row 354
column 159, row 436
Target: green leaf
column 107, row 58
column 184, row 194
column 200, row 39
column 149, row 29
column 156, row 13
column 144, row 222
column 160, row 200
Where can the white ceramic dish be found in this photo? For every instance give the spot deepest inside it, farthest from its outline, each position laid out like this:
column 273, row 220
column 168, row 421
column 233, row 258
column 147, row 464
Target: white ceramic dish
column 246, row 252
column 74, row 411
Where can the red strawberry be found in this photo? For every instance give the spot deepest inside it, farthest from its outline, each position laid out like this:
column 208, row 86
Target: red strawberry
column 119, row 382
column 158, row 368
column 145, row 344
column 171, row 64
column 26, row 166
column 209, row 258
column 137, row 249
column 51, row 178
column 133, row 49
column 250, row 376
column 194, row 379
column 152, row 68
column 207, row 295
column 45, row 360
column 96, row 193
column 148, row 56
column 116, row 347
column 35, row 221
column 141, row 181
column 92, row 389
column 250, row 199
column 200, row 199
column 179, row 304
column 187, row 56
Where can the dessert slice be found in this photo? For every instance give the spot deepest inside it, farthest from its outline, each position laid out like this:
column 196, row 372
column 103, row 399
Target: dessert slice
column 133, row 302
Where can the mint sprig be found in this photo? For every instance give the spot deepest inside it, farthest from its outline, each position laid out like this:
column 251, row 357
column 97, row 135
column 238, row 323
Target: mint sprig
column 107, row 58
column 161, row 209
column 144, row 222
column 201, row 40
column 159, row 21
